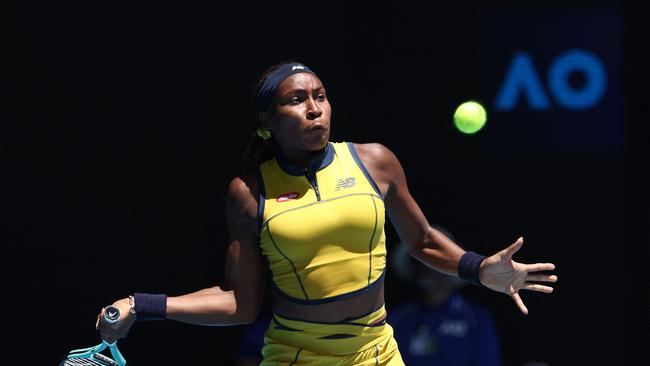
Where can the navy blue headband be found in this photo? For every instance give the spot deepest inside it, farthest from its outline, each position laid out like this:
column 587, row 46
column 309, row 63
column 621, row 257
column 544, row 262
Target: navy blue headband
column 272, row 82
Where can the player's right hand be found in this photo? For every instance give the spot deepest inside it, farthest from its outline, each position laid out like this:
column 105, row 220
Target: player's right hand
column 111, row 332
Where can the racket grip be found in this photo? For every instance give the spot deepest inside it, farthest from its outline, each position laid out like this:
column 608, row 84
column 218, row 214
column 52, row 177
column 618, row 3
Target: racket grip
column 111, row 314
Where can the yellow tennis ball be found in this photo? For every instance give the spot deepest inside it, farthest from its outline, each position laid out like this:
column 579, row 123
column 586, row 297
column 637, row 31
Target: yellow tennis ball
column 470, row 117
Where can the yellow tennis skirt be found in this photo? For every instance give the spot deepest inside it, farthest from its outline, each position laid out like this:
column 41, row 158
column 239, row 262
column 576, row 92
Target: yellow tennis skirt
column 352, row 342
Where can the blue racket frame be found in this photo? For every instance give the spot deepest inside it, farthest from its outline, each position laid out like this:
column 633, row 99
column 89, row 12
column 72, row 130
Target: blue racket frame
column 91, row 351
column 111, row 316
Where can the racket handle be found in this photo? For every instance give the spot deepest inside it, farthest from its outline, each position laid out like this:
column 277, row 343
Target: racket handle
column 111, row 314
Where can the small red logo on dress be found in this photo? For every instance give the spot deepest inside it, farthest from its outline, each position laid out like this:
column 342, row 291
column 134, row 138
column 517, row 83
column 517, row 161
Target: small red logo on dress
column 288, row 196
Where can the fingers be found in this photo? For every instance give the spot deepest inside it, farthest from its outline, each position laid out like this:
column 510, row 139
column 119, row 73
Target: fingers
column 538, row 267
column 538, row 287
column 513, row 248
column 99, row 317
column 520, row 304
column 539, row 277
column 531, row 278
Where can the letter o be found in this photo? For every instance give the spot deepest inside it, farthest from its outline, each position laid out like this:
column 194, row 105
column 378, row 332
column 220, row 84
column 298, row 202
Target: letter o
column 595, row 79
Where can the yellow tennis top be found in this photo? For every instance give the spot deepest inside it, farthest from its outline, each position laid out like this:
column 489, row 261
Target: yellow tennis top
column 322, row 227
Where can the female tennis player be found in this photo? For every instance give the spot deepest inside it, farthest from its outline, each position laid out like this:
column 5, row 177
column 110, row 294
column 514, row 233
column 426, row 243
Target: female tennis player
column 313, row 212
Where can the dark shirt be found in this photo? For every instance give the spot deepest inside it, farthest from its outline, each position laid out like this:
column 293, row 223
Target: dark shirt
column 455, row 333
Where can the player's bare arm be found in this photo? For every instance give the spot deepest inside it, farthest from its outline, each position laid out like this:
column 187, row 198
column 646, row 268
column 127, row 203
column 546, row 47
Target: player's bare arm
column 239, row 299
column 498, row 272
column 426, row 243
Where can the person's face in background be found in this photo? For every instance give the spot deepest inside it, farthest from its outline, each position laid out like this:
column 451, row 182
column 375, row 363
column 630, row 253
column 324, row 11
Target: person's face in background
column 299, row 117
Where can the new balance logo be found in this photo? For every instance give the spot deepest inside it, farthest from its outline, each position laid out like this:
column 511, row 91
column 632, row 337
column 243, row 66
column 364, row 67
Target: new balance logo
column 344, row 183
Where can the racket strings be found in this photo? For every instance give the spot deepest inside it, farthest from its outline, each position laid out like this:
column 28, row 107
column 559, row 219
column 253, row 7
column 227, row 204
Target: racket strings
column 81, row 362
column 96, row 360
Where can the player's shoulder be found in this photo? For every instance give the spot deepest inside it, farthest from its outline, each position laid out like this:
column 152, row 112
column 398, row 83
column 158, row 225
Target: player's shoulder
column 373, row 148
column 242, row 190
column 375, row 152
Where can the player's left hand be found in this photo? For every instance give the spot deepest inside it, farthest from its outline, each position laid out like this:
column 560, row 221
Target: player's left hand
column 500, row 273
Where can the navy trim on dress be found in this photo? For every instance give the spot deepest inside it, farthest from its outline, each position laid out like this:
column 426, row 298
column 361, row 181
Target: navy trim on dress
column 293, row 267
column 317, row 162
column 372, row 238
column 296, row 358
column 326, row 300
column 281, row 326
column 346, row 321
column 317, row 203
column 353, row 151
column 338, row 336
column 261, row 202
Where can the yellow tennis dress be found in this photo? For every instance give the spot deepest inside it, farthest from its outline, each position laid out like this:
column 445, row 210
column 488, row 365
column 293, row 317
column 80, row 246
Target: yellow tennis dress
column 322, row 231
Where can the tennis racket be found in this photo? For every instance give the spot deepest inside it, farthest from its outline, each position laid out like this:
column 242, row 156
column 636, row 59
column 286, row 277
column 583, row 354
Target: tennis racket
column 91, row 356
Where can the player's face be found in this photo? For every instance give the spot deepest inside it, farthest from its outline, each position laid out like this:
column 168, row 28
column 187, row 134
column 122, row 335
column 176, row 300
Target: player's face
column 300, row 117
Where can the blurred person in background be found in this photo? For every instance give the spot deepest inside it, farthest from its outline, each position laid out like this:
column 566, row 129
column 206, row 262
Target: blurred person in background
column 439, row 326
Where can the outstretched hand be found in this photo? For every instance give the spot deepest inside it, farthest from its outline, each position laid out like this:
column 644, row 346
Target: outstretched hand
column 500, row 273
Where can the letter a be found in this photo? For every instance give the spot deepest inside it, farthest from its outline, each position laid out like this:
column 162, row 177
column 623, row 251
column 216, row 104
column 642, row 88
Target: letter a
column 521, row 77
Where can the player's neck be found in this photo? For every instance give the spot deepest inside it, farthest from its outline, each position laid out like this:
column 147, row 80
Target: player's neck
column 301, row 162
